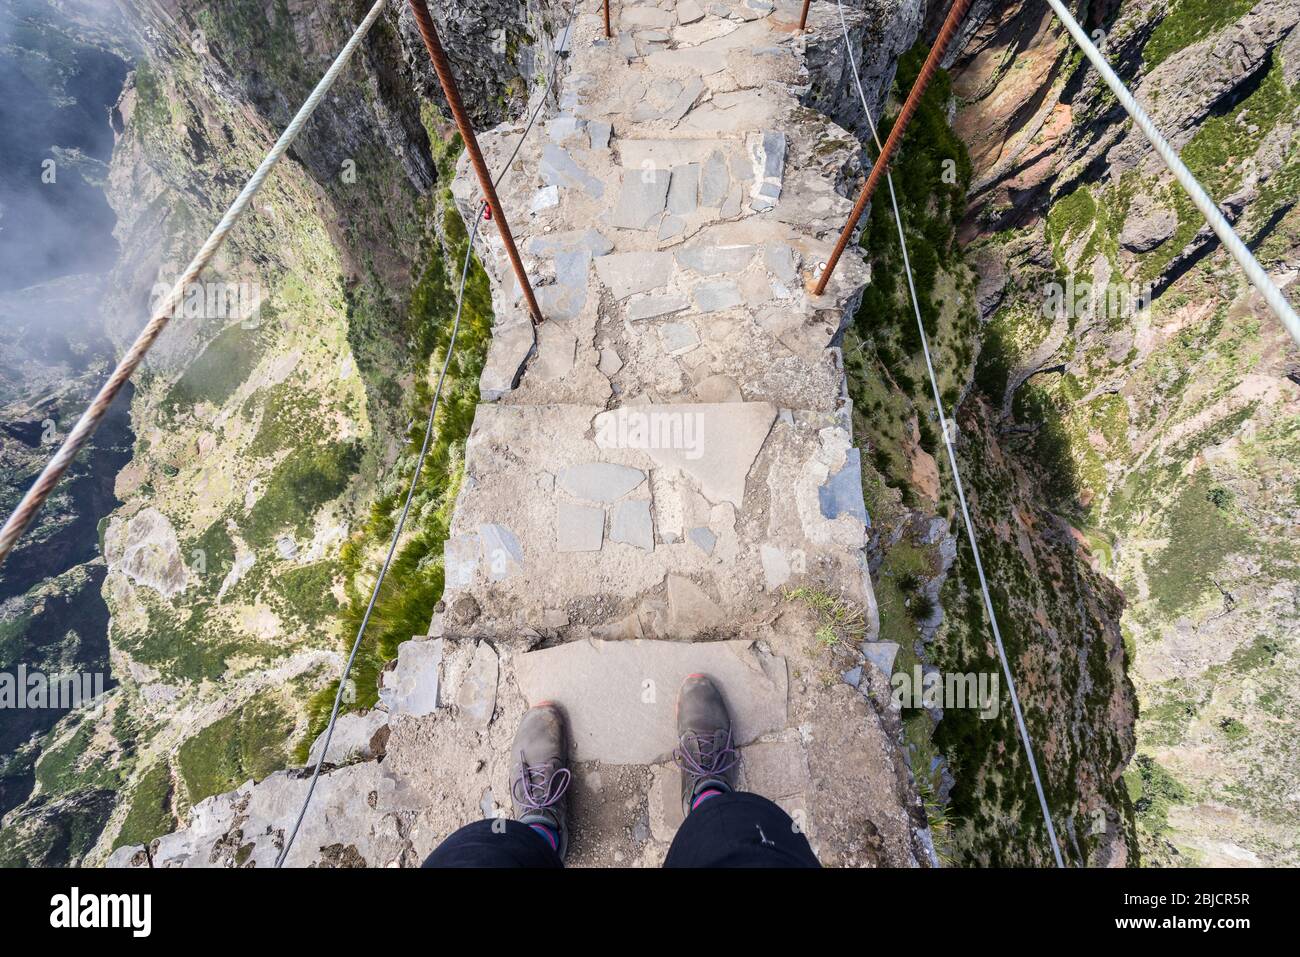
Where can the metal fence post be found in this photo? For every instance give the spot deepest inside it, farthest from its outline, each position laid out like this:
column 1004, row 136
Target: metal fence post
column 448, row 80
column 881, row 165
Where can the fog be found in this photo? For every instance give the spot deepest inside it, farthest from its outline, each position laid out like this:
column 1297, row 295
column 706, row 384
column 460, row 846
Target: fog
column 60, row 74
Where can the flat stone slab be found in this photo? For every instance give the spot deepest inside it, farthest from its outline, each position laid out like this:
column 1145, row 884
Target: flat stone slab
column 709, row 260
column 578, row 528
column 703, row 538
column 620, row 697
column 678, row 338
column 689, row 11
column 881, row 654
column 642, row 199
column 511, row 348
column 632, row 524
column 842, row 493
column 717, row 295
column 652, row 307
column 353, row 738
column 476, row 698
column 727, row 439
column 599, row 481
column 628, row 273
column 501, row 551
column 411, row 687
column 558, row 168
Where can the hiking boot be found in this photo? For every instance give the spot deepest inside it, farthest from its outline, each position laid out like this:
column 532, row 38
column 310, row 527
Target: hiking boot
column 705, row 752
column 539, row 781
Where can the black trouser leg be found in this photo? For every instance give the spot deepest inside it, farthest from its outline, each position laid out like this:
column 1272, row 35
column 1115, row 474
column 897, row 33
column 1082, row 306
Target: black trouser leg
column 739, row 830
column 494, row 843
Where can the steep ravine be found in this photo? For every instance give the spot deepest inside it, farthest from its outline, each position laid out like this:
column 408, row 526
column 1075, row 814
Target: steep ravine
column 61, row 67
column 1160, row 412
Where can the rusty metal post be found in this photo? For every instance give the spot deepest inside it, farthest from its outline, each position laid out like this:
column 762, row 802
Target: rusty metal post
column 881, row 166
column 607, row 30
column 448, row 80
column 803, row 17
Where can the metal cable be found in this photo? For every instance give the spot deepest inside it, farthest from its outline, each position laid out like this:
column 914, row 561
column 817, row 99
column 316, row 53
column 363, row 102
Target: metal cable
column 1222, row 228
column 952, row 462
column 90, row 420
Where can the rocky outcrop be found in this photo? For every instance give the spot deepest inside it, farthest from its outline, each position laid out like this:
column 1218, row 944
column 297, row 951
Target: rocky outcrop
column 146, row 550
column 880, row 31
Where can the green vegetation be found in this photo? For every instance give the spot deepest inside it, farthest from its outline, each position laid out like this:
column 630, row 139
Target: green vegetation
column 940, row 821
column 219, row 370
column 1201, row 535
column 1260, row 653
column 838, row 620
column 414, row 582
column 1187, row 22
column 1216, row 156
column 153, row 108
column 307, row 592
column 311, row 476
column 150, row 814
column 247, row 743
column 218, row 556
column 176, row 640
column 61, row 769
column 1070, row 217
column 1233, row 729
column 1052, row 446
column 13, row 638
column 1153, row 791
column 897, row 587
column 288, row 413
column 931, row 174
column 887, row 377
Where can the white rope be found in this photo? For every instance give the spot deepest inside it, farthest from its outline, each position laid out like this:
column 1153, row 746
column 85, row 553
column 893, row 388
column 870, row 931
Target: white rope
column 94, row 414
column 952, row 462
column 1227, row 235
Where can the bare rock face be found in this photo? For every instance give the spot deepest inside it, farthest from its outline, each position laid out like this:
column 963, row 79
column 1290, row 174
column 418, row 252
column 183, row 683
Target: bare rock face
column 880, row 31
column 1204, row 77
column 1148, row 225
column 147, row 551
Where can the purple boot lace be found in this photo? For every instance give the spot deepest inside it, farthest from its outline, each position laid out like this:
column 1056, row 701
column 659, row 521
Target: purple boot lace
column 701, row 757
column 535, row 787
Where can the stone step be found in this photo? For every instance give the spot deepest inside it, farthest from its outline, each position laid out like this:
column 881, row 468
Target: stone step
column 619, row 698
column 654, row 521
column 681, row 205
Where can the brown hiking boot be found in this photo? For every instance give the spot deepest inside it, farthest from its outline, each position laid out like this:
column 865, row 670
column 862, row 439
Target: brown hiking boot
column 705, row 752
column 539, row 781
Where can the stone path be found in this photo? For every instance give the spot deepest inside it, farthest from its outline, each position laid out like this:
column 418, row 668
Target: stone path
column 648, row 474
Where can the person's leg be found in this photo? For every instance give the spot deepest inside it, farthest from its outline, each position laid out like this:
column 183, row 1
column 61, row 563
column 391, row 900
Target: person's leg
column 739, row 829
column 495, row 843
column 539, row 782
column 724, row 827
